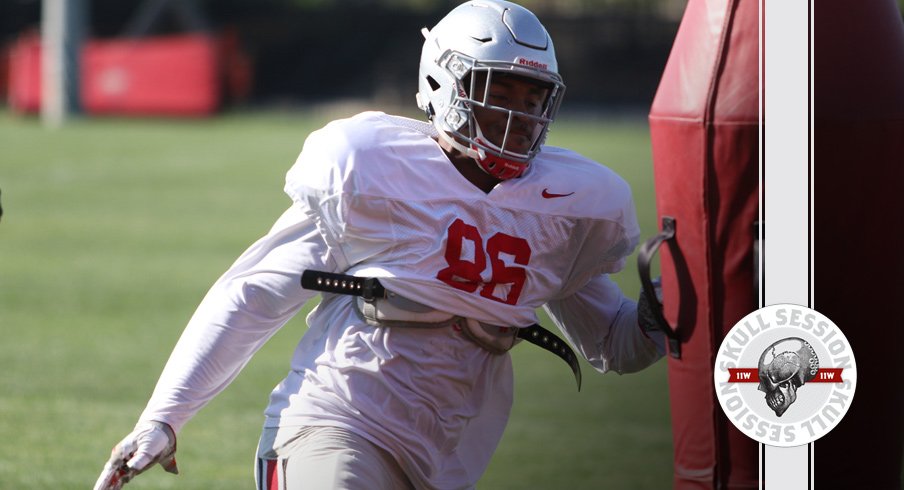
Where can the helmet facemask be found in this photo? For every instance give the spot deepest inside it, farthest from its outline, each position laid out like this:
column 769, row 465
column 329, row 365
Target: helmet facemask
column 499, row 150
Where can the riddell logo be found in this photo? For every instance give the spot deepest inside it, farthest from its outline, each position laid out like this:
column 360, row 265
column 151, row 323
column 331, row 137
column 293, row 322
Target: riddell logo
column 532, row 63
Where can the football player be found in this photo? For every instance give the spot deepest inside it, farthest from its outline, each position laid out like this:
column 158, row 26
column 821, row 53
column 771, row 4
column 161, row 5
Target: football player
column 463, row 226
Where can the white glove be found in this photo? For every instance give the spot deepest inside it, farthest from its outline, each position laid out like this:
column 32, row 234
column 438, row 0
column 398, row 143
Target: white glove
column 150, row 442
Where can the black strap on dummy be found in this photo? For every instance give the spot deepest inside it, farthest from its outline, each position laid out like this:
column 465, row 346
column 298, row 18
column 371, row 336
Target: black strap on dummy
column 644, row 259
column 370, row 288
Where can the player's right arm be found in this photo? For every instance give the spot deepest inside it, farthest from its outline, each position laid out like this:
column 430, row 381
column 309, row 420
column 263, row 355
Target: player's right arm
column 259, row 293
column 262, row 290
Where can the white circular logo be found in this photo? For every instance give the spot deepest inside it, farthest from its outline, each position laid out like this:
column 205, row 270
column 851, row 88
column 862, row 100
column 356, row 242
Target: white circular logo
column 785, row 375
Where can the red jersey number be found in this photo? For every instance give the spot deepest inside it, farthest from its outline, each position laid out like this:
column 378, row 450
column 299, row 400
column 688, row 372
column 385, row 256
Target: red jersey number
column 465, row 270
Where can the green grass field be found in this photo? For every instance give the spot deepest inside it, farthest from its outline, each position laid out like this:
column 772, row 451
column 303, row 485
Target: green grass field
column 114, row 229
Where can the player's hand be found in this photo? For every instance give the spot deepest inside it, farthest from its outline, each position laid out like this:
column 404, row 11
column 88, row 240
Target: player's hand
column 150, row 442
column 646, row 318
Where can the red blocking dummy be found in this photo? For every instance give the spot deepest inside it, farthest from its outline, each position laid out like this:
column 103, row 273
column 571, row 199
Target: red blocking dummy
column 705, row 141
column 858, row 211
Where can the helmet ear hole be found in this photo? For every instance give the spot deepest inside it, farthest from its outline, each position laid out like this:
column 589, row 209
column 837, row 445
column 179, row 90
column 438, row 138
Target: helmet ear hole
column 434, row 85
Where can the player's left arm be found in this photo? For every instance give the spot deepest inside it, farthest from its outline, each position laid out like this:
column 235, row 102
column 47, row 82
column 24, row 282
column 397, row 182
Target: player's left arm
column 603, row 325
column 591, row 310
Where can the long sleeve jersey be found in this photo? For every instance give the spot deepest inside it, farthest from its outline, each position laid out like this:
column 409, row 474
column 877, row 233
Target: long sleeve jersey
column 375, row 195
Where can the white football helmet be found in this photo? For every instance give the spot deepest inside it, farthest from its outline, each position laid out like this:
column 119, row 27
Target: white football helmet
column 491, row 38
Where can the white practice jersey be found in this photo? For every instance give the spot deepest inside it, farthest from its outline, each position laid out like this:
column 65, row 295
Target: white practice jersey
column 375, row 195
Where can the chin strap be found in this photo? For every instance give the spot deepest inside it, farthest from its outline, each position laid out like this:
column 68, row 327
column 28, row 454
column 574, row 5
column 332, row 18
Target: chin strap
column 499, row 167
column 494, row 165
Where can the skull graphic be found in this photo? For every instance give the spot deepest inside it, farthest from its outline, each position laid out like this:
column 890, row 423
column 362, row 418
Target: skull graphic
column 784, row 367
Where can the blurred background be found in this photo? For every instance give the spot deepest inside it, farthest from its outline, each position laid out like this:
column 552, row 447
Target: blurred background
column 297, row 52
column 170, row 161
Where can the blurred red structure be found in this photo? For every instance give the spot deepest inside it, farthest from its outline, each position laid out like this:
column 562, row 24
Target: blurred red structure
column 24, row 78
column 175, row 75
column 704, row 125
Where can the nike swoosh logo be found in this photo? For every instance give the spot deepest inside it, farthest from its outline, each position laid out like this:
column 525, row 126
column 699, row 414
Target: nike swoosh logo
column 549, row 195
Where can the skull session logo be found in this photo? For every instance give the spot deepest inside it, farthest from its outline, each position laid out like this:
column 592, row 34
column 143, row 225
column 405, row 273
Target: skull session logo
column 785, row 375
